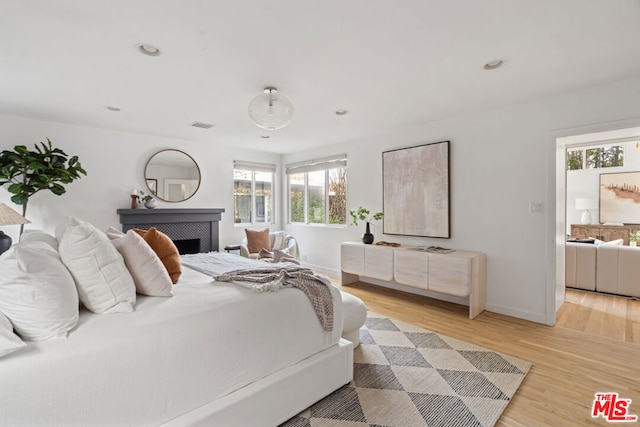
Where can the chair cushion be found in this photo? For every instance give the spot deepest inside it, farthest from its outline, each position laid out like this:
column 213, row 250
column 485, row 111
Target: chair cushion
column 257, row 240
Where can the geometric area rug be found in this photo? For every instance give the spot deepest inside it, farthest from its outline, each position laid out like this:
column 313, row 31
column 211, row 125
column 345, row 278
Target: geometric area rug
column 408, row 376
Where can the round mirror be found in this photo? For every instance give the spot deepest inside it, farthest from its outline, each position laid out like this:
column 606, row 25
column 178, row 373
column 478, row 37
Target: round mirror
column 172, row 175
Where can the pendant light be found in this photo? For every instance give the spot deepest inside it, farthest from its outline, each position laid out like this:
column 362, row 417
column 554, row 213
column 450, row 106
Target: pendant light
column 270, row 110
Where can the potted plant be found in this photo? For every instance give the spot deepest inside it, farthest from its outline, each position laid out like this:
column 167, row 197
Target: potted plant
column 148, row 200
column 28, row 172
column 363, row 214
column 634, row 238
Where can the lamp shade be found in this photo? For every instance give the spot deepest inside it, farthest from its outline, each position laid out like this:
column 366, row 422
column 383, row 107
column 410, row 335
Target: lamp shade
column 270, row 110
column 10, row 217
column 582, row 204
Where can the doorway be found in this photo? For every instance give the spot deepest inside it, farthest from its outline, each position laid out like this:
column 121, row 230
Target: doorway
column 566, row 212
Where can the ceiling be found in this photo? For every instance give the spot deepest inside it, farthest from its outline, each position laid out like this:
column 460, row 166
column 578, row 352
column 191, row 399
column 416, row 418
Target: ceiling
column 389, row 64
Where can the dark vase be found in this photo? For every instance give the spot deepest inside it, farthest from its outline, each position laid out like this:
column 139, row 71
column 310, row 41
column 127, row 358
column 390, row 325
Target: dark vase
column 367, row 237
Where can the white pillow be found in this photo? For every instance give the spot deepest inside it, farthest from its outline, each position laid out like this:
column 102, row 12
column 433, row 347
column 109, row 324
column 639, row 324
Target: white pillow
column 37, row 292
column 149, row 274
column 9, row 342
column 39, row 236
column 617, row 242
column 103, row 281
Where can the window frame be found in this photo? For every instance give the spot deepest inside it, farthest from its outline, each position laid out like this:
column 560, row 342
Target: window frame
column 326, row 165
column 255, row 168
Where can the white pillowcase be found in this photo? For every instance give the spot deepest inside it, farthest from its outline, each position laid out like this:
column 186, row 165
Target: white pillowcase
column 37, row 292
column 149, row 274
column 617, row 242
column 39, row 236
column 9, row 342
column 103, row 281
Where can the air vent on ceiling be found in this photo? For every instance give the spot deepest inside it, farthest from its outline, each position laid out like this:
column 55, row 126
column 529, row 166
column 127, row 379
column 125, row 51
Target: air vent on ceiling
column 201, row 125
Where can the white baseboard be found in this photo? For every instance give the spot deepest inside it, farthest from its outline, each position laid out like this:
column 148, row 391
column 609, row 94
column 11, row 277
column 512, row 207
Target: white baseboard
column 520, row 314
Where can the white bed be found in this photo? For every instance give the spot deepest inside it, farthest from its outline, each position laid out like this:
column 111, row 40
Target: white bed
column 214, row 354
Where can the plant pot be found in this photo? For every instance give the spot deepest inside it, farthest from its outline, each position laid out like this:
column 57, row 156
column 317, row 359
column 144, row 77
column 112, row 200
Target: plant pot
column 150, row 204
column 633, row 243
column 367, row 237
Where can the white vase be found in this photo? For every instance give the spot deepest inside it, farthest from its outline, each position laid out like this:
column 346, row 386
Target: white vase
column 150, row 204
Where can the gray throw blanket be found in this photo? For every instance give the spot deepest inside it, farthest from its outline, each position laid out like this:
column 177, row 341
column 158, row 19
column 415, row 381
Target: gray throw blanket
column 315, row 286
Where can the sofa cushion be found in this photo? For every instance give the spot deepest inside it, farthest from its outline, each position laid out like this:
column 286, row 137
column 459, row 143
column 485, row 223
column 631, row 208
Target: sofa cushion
column 580, row 268
column 618, row 269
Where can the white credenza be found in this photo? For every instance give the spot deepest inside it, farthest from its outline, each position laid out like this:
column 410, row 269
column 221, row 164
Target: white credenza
column 458, row 274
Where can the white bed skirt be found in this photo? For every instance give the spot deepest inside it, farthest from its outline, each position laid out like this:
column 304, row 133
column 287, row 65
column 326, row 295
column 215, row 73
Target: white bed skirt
column 278, row 397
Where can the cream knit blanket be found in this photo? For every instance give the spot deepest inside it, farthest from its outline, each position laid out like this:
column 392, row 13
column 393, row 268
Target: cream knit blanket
column 314, row 286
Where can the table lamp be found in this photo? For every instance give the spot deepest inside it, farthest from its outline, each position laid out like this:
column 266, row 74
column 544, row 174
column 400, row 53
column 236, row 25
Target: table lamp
column 586, row 205
column 9, row 217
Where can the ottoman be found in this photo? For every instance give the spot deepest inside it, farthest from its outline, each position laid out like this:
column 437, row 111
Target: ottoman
column 355, row 313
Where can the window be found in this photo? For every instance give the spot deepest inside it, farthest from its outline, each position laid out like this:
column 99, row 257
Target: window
column 318, row 191
column 575, row 159
column 605, row 157
column 596, row 157
column 253, row 185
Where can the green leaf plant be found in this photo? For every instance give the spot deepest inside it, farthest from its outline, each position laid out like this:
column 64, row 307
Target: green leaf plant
column 363, row 214
column 28, row 172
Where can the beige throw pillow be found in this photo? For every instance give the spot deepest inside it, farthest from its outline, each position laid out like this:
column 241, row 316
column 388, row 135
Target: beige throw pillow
column 148, row 272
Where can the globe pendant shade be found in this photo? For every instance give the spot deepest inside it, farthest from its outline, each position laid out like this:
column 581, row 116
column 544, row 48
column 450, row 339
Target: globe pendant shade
column 270, row 110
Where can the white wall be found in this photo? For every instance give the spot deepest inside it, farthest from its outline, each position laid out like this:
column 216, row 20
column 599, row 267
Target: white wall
column 501, row 160
column 115, row 163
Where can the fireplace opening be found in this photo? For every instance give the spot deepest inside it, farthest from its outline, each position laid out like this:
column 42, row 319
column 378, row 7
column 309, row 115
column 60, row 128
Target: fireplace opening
column 187, row 246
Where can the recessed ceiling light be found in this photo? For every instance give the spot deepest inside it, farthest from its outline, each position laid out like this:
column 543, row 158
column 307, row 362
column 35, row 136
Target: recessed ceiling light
column 148, row 49
column 341, row 112
column 265, row 136
column 112, row 108
column 492, row 65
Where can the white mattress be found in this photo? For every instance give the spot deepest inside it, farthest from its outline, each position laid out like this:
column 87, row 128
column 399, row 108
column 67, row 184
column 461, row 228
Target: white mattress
column 168, row 357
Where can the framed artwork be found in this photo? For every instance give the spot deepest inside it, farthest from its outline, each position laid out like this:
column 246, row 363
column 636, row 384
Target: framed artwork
column 620, row 197
column 416, row 191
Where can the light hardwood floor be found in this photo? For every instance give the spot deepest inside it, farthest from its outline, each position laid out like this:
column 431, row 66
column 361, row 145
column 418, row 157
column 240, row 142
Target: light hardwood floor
column 595, row 347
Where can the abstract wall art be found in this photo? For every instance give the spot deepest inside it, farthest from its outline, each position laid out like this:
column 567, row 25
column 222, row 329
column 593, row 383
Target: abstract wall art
column 620, row 197
column 416, row 190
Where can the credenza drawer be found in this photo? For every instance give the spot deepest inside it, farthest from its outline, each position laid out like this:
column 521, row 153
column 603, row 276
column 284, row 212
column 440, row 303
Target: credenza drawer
column 450, row 275
column 411, row 268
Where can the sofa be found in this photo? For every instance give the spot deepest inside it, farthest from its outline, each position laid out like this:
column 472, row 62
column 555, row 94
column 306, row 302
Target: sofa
column 608, row 268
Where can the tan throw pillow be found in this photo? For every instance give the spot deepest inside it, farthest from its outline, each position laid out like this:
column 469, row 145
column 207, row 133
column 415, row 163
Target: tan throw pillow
column 257, row 240
column 166, row 250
